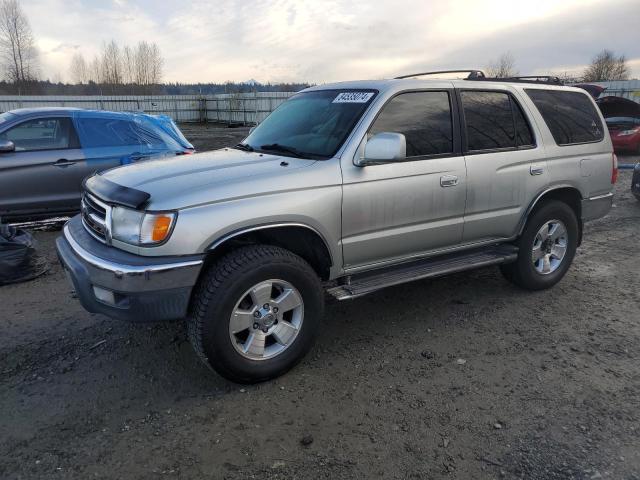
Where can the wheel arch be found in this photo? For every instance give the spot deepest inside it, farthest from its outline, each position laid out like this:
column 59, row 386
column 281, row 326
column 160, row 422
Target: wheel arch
column 299, row 238
column 565, row 193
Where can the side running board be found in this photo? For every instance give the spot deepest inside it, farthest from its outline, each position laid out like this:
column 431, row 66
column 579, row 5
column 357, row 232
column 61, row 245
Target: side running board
column 364, row 283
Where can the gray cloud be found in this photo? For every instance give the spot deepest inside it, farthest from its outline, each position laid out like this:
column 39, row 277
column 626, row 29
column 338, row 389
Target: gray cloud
column 568, row 40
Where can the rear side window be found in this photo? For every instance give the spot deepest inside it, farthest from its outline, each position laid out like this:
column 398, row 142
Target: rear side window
column 107, row 132
column 424, row 118
column 494, row 121
column 571, row 116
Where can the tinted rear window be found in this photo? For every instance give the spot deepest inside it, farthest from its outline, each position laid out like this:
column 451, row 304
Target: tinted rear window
column 494, row 121
column 571, row 116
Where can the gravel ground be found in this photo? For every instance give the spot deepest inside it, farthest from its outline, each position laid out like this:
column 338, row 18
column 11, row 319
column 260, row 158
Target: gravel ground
column 462, row 377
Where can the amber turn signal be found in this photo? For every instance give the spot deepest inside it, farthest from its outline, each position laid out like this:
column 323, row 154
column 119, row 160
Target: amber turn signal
column 161, row 227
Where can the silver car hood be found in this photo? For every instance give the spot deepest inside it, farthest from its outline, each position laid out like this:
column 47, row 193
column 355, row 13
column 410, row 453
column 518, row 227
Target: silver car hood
column 209, row 177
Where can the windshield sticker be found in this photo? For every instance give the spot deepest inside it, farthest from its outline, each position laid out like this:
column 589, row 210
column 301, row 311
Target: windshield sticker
column 353, row 97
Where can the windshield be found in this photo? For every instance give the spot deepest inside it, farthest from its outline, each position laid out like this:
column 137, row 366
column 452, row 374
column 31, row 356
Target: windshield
column 311, row 124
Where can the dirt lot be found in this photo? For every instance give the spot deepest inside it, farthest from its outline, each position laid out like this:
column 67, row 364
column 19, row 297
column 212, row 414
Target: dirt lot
column 465, row 377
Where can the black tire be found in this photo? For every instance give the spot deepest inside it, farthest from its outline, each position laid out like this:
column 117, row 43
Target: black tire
column 223, row 285
column 522, row 272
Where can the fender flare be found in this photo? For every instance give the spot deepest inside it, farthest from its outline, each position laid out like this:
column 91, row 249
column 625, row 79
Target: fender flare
column 268, row 226
column 538, row 197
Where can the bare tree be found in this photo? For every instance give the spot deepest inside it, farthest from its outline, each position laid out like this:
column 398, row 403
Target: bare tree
column 111, row 64
column 606, row 66
column 148, row 64
column 95, row 71
column 503, row 67
column 128, row 65
column 156, row 64
column 17, row 45
column 79, row 70
column 139, row 66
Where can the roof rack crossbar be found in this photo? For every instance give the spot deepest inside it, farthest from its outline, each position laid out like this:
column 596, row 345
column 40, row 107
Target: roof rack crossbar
column 546, row 79
column 473, row 74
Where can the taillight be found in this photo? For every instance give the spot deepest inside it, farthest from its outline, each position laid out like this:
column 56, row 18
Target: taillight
column 614, row 168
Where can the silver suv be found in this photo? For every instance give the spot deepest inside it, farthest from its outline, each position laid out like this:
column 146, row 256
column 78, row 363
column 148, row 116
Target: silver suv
column 348, row 188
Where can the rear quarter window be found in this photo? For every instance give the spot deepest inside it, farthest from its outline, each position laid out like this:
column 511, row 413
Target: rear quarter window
column 571, row 116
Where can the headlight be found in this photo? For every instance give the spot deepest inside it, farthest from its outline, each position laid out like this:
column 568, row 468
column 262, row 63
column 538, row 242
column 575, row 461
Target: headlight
column 140, row 228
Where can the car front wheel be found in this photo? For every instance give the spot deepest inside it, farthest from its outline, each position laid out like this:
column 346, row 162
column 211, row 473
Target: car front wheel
column 256, row 313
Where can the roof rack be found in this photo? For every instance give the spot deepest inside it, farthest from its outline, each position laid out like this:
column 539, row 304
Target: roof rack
column 473, row 74
column 546, row 79
column 480, row 76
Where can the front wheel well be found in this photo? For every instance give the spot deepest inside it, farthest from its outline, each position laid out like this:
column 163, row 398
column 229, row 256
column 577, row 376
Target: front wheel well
column 300, row 240
column 568, row 195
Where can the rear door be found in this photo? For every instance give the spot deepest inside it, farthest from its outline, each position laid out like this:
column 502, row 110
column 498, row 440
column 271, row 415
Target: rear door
column 42, row 174
column 112, row 140
column 108, row 141
column 505, row 163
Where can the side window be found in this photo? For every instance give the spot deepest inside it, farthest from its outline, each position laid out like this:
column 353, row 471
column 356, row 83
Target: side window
column 424, row 118
column 107, row 132
column 489, row 120
column 494, row 120
column 570, row 116
column 41, row 134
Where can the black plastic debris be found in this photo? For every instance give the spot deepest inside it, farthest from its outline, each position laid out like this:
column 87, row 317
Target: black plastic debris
column 19, row 261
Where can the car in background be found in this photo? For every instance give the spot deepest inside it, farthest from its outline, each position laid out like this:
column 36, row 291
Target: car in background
column 46, row 153
column 623, row 121
column 625, row 134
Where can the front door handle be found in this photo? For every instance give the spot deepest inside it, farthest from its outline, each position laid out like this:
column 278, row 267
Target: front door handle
column 63, row 163
column 536, row 170
column 448, row 181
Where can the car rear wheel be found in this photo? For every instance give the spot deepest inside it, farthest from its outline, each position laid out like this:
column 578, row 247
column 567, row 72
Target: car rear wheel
column 256, row 313
column 546, row 247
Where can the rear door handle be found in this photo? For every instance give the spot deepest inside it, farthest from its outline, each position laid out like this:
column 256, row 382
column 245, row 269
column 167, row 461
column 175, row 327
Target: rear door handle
column 448, row 181
column 536, row 170
column 63, row 163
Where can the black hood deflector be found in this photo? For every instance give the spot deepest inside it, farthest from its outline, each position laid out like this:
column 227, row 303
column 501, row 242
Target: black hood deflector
column 111, row 192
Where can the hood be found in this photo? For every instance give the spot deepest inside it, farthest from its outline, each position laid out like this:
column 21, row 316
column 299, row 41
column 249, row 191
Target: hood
column 618, row 107
column 182, row 181
column 594, row 90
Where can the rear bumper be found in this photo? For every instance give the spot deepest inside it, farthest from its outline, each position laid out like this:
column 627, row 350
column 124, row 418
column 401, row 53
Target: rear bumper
column 126, row 286
column 596, row 207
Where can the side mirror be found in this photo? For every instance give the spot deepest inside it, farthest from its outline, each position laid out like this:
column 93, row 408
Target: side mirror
column 7, row 146
column 384, row 147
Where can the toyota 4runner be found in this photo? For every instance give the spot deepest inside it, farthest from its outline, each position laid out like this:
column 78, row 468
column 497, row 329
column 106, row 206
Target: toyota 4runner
column 348, row 188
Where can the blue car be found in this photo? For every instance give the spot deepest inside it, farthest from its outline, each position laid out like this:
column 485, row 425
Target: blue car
column 45, row 154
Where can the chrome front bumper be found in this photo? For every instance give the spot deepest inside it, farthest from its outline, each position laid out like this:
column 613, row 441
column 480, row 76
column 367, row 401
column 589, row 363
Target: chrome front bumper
column 123, row 285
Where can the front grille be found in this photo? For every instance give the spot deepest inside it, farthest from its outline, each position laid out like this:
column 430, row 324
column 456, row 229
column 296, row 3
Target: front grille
column 94, row 217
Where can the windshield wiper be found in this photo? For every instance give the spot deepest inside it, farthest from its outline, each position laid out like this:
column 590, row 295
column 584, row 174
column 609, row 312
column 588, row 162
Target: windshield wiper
column 276, row 147
column 245, row 147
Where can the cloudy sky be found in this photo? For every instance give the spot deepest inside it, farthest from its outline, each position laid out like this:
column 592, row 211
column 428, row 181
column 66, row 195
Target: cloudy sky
column 320, row 41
